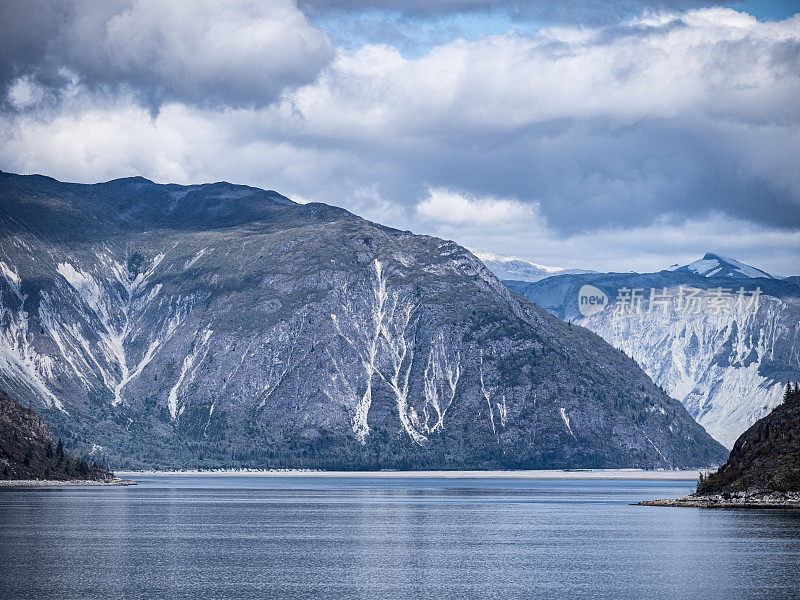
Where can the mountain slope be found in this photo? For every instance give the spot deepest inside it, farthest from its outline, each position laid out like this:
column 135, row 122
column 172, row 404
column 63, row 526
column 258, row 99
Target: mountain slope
column 28, row 452
column 220, row 325
column 725, row 356
column 765, row 458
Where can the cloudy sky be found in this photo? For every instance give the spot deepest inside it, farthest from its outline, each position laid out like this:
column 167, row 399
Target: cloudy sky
column 613, row 135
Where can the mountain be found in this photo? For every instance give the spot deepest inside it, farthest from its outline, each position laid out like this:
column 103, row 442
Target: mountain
column 725, row 352
column 766, row 457
column 222, row 325
column 714, row 265
column 28, row 452
column 511, row 267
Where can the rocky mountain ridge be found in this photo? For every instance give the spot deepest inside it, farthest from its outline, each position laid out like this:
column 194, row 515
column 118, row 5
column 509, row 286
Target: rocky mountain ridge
column 221, row 325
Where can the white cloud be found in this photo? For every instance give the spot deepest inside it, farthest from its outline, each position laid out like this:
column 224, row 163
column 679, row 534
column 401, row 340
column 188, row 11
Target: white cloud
column 652, row 247
column 716, row 62
column 25, row 93
column 446, row 206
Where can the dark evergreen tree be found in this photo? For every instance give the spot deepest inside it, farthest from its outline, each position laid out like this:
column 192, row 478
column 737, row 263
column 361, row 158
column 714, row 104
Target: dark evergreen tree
column 789, row 393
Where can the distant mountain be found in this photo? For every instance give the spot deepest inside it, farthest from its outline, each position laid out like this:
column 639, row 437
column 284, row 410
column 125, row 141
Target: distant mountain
column 511, row 267
column 714, row 265
column 28, row 452
column 222, row 325
column 766, row 458
column 724, row 353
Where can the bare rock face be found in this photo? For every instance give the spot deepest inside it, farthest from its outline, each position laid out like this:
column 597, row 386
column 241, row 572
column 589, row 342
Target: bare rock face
column 727, row 366
column 28, row 452
column 221, row 325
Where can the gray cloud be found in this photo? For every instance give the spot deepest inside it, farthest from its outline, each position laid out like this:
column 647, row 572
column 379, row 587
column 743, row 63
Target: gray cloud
column 235, row 53
column 26, row 30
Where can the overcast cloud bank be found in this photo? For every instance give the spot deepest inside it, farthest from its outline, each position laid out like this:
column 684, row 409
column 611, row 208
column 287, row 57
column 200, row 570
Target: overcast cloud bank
column 613, row 146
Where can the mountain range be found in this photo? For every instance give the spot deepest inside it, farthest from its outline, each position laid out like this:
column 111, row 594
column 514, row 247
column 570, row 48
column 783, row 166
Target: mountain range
column 223, row 325
column 718, row 335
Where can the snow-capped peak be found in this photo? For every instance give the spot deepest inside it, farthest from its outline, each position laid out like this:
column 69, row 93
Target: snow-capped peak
column 715, row 265
column 514, row 268
column 506, row 258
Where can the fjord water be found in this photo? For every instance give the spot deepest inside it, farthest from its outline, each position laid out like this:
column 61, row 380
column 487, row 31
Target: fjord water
column 388, row 537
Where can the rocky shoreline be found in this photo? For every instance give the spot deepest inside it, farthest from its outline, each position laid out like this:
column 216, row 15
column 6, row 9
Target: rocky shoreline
column 64, row 482
column 732, row 500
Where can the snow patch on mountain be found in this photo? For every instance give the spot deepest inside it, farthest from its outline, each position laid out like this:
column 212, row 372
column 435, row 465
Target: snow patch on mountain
column 565, row 418
column 11, row 276
column 505, row 258
column 200, row 349
column 113, row 295
column 518, row 269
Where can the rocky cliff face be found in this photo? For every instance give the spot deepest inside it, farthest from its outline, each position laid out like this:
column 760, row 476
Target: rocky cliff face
column 766, row 458
column 726, row 360
column 28, row 452
column 221, row 325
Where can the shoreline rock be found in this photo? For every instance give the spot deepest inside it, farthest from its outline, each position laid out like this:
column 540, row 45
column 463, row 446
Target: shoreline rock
column 732, row 500
column 65, row 483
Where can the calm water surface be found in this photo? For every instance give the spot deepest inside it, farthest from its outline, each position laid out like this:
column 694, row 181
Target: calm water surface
column 307, row 537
